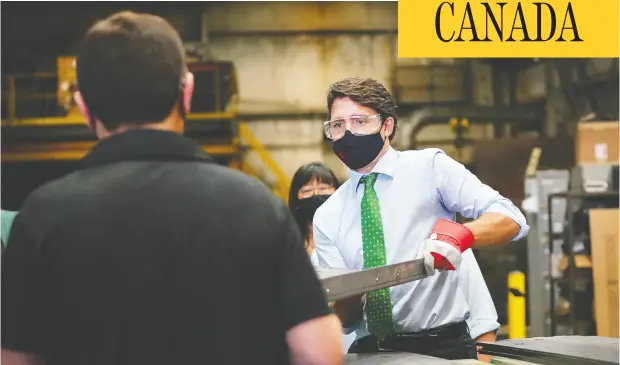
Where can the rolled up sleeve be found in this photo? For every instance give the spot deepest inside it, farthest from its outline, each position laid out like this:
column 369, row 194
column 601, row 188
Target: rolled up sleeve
column 505, row 207
column 483, row 315
column 461, row 191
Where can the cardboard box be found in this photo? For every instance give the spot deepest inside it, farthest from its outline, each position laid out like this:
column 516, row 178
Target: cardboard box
column 581, row 262
column 604, row 224
column 597, row 143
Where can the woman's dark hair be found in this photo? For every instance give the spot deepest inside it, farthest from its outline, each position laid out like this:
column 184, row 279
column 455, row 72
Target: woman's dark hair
column 308, row 172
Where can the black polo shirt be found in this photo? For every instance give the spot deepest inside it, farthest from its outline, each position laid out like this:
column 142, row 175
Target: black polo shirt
column 153, row 254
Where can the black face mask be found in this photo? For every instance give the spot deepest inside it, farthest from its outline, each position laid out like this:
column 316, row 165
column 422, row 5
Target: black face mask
column 358, row 151
column 308, row 206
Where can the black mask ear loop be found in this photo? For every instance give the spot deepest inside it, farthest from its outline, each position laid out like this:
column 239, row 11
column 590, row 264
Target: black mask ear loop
column 383, row 125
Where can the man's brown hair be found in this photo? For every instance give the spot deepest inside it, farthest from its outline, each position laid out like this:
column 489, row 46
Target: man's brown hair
column 130, row 68
column 364, row 91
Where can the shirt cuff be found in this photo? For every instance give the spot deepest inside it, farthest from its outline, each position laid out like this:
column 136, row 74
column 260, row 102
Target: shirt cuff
column 513, row 213
column 479, row 328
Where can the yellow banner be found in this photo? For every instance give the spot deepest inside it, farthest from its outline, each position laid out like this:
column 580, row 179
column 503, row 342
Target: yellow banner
column 509, row 28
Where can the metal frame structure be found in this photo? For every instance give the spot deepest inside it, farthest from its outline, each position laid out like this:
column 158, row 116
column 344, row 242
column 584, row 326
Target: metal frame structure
column 67, row 137
column 570, row 198
column 540, row 259
column 223, row 91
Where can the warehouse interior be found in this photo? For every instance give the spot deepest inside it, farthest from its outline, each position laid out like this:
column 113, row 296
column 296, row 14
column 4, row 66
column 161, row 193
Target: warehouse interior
column 543, row 132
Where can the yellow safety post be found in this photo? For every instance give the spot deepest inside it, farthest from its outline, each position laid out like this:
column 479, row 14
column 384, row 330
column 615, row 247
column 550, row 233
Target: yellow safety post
column 516, row 305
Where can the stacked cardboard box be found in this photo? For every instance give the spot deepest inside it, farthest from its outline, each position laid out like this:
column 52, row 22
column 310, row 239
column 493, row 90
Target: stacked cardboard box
column 597, row 143
column 604, row 224
column 596, row 148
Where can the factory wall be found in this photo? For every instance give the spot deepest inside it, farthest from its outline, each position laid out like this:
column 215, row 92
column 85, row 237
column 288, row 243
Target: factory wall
column 447, row 85
column 286, row 55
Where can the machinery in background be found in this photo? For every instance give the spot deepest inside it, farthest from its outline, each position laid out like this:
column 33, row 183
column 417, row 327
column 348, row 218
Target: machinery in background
column 558, row 205
column 542, row 260
column 44, row 134
column 460, row 129
column 28, row 99
column 67, row 86
column 575, row 283
column 43, row 130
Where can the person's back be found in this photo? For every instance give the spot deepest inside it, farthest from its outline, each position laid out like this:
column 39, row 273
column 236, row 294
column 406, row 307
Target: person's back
column 142, row 251
column 150, row 253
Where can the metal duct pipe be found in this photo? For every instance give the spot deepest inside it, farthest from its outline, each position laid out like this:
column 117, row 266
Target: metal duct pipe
column 407, row 136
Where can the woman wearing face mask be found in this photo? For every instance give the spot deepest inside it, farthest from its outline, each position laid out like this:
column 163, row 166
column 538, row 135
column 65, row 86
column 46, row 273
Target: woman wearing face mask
column 312, row 184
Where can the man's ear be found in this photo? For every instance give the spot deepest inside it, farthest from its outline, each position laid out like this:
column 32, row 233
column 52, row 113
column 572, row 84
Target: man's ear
column 79, row 100
column 388, row 124
column 188, row 92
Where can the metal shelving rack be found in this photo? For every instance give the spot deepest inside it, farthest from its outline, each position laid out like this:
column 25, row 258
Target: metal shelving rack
column 541, row 185
column 571, row 198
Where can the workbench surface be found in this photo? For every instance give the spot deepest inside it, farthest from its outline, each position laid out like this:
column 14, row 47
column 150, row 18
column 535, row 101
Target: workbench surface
column 401, row 358
column 587, row 348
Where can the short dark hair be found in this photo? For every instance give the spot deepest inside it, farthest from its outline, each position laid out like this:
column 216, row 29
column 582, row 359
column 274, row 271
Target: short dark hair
column 130, row 68
column 364, row 91
column 314, row 170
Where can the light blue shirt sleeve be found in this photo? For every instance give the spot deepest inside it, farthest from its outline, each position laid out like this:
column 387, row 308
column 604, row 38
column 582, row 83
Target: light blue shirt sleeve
column 314, row 259
column 7, row 218
column 483, row 315
column 326, row 250
column 461, row 191
column 328, row 254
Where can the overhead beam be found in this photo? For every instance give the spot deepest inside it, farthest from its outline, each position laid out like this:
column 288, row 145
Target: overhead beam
column 303, row 17
column 71, row 151
column 300, row 32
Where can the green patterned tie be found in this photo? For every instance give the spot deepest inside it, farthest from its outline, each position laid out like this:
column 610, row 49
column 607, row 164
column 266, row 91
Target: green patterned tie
column 378, row 303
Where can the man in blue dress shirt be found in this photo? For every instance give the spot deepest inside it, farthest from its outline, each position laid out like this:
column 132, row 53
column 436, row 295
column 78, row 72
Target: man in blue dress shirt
column 384, row 214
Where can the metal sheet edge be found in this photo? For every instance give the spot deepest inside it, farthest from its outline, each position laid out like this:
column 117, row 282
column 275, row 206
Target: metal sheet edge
column 359, row 282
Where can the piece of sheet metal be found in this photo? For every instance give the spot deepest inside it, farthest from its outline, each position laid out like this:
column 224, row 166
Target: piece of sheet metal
column 340, row 284
column 505, row 361
column 559, row 350
column 401, row 358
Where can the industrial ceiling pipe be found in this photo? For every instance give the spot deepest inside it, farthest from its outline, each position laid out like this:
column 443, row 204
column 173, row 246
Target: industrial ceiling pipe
column 425, row 117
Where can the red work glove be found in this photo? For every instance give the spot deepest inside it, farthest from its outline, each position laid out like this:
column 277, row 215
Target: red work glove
column 442, row 250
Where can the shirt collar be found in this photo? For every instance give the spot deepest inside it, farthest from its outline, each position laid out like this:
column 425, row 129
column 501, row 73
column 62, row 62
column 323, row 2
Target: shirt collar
column 385, row 166
column 145, row 145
